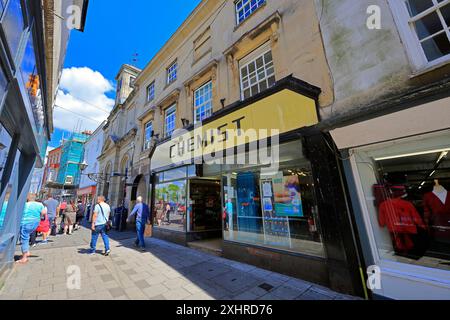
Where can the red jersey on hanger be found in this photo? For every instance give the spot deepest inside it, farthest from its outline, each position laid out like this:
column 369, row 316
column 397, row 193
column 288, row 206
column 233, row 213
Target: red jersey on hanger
column 400, row 216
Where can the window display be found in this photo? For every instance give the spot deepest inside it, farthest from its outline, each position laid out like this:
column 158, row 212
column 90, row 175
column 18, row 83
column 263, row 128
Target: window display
column 405, row 185
column 170, row 205
column 276, row 210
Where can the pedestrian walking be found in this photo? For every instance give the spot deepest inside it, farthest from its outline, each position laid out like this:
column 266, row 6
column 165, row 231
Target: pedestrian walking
column 100, row 220
column 52, row 206
column 44, row 228
column 62, row 210
column 79, row 215
column 33, row 211
column 168, row 208
column 142, row 212
column 159, row 212
column 70, row 217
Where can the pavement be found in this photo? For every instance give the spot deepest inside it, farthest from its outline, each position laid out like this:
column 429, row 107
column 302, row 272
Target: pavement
column 63, row 270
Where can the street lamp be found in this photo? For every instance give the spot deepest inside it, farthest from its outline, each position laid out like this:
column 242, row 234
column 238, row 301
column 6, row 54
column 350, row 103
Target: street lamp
column 83, row 166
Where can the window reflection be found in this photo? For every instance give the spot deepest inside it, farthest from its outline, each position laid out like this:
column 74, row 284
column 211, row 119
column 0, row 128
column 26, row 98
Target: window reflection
column 13, row 25
column 31, row 82
column 170, row 205
column 3, row 85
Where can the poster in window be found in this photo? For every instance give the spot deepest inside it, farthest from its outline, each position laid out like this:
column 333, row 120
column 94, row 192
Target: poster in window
column 276, row 229
column 288, row 199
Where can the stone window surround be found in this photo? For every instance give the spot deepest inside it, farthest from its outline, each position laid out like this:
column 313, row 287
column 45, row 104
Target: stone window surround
column 208, row 73
column 234, row 54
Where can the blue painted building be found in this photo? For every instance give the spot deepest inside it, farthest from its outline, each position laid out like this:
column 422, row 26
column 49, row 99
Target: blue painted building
column 71, row 159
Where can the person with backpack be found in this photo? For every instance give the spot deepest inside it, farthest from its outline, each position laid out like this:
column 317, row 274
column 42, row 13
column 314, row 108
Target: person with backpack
column 70, row 217
column 142, row 212
column 100, row 225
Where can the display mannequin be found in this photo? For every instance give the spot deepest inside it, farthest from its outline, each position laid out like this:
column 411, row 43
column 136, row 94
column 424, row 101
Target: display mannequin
column 437, row 212
column 440, row 191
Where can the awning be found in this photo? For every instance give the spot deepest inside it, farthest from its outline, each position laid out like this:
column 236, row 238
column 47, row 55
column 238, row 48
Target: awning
column 429, row 117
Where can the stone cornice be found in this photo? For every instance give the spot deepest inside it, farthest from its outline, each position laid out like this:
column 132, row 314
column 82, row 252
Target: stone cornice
column 210, row 66
column 271, row 22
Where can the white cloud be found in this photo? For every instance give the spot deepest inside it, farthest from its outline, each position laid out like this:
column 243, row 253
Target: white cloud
column 83, row 92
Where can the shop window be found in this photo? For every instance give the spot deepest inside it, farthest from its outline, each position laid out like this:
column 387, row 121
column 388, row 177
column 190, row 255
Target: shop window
column 277, row 210
column 405, row 187
column 203, row 102
column 6, row 200
column 257, row 72
column 170, row 205
column 5, row 145
column 32, row 83
column 3, row 85
column 13, row 25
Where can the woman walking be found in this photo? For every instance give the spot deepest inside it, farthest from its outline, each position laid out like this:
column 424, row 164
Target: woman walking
column 33, row 211
column 70, row 218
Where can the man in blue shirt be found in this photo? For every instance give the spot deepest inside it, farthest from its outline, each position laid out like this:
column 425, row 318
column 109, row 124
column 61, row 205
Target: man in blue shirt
column 31, row 218
column 142, row 212
column 52, row 209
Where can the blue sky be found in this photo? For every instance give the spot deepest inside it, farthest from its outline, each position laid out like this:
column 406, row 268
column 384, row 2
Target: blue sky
column 115, row 30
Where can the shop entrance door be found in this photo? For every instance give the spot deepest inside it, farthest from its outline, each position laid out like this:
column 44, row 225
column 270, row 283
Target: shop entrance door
column 206, row 206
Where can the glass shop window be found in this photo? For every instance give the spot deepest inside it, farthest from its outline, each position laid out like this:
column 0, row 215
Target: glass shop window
column 170, row 205
column 406, row 194
column 6, row 199
column 3, row 85
column 5, row 144
column 277, row 210
column 32, row 83
column 13, row 25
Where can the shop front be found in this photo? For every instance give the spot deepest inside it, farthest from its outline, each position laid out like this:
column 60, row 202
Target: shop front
column 399, row 177
column 260, row 178
column 86, row 195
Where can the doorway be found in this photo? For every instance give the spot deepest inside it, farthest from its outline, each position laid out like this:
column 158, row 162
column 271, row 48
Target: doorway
column 206, row 205
column 206, row 215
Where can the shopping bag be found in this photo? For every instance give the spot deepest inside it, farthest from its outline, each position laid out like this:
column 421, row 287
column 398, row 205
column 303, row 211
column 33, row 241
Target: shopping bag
column 148, row 232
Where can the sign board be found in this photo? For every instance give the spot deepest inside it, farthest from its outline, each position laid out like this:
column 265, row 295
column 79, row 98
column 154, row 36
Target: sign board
column 279, row 113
